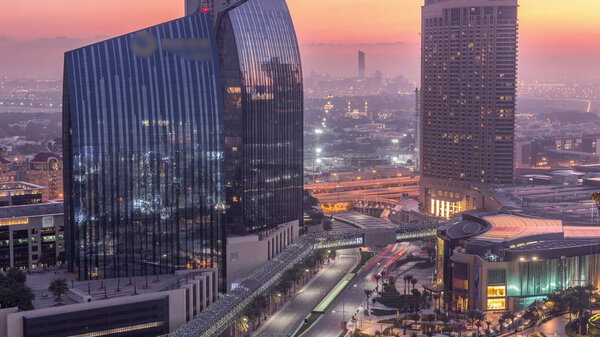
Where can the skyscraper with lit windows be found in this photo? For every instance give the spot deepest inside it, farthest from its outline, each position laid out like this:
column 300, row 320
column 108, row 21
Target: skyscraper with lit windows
column 468, row 79
column 263, row 118
column 143, row 152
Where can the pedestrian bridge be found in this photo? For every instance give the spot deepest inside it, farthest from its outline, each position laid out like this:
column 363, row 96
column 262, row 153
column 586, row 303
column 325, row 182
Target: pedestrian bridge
column 219, row 316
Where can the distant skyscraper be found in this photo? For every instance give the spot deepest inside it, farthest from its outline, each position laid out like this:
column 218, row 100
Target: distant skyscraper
column 361, row 64
column 417, row 129
column 468, row 79
column 262, row 78
column 143, row 154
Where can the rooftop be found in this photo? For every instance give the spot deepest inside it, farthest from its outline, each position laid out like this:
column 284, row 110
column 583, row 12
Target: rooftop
column 44, row 156
column 19, row 186
column 510, row 227
column 31, row 210
column 100, row 289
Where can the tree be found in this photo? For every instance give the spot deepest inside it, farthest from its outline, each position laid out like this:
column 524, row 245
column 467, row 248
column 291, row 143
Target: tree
column 14, row 292
column 414, row 281
column 508, row 316
column 436, row 298
column 58, row 288
column 241, row 324
column 368, row 292
column 327, row 224
column 478, row 325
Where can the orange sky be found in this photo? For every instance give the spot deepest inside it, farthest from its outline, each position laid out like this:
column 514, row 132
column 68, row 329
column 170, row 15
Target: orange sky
column 557, row 36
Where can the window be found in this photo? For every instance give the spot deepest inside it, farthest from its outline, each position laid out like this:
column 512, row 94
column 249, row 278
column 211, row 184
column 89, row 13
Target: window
column 496, row 291
column 497, row 276
column 496, row 304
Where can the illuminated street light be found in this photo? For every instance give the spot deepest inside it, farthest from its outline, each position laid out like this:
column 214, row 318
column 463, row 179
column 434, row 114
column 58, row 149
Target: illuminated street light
column 319, row 150
column 318, row 131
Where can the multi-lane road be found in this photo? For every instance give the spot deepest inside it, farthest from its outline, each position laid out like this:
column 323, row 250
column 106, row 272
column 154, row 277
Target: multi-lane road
column 285, row 322
column 347, row 304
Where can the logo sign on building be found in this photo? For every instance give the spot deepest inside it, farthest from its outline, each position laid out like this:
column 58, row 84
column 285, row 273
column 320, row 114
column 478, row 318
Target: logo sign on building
column 47, row 221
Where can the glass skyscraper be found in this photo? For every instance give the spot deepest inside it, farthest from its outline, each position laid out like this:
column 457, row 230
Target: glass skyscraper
column 143, row 133
column 262, row 79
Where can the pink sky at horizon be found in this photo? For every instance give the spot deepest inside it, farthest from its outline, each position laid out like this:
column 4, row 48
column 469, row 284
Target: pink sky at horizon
column 556, row 37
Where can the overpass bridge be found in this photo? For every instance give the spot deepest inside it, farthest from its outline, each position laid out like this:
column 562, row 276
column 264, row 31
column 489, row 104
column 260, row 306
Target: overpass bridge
column 218, row 317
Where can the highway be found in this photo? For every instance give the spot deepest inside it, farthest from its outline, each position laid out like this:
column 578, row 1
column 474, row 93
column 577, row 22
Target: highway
column 363, row 184
column 368, row 194
column 347, row 304
column 285, row 321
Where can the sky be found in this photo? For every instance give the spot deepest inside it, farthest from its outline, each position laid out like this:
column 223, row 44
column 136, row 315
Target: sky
column 558, row 38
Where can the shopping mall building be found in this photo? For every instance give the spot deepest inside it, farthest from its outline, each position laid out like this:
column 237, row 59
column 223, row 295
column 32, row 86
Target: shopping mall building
column 507, row 261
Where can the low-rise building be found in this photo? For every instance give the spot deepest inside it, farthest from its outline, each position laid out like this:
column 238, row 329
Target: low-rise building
column 46, row 169
column 140, row 306
column 7, row 173
column 20, row 193
column 31, row 236
column 507, row 262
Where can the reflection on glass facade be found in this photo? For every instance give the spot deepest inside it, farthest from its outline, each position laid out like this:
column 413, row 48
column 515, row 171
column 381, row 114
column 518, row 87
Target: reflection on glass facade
column 143, row 152
column 262, row 79
column 535, row 278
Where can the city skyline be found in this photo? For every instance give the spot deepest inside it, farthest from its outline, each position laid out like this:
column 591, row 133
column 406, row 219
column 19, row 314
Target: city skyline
column 328, row 42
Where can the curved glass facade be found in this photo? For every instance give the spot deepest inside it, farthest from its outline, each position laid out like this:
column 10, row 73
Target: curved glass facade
column 143, row 152
column 262, row 78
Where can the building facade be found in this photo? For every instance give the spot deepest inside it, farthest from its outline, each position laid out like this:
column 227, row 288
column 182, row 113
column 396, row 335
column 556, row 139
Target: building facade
column 507, row 262
column 46, row 169
column 31, row 236
column 7, row 173
column 468, row 78
column 119, row 309
column 361, row 64
column 143, row 154
column 263, row 99
column 20, row 193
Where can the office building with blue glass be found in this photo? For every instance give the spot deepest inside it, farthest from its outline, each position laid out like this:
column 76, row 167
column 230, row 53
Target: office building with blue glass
column 143, row 148
column 263, row 117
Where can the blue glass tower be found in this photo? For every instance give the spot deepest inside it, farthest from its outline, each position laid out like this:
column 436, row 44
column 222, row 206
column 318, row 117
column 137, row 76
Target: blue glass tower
column 263, row 98
column 143, row 142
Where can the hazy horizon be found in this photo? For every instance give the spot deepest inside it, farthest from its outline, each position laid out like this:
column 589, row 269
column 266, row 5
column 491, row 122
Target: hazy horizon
column 557, row 39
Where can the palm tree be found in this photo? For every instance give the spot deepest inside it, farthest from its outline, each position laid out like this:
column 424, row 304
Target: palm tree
column 368, row 292
column 408, row 279
column 478, row 325
column 488, row 323
column 413, row 281
column 508, row 316
column 447, row 298
column 241, row 325
column 405, row 283
column 436, row 299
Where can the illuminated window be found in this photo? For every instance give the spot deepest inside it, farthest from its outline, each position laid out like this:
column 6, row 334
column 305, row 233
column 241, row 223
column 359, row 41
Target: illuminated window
column 496, row 291
column 496, row 304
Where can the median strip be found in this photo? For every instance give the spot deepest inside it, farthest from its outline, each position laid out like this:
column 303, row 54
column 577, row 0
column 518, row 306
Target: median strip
column 333, row 294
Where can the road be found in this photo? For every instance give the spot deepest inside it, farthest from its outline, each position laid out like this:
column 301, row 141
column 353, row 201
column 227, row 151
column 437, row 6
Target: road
column 553, row 328
column 353, row 297
column 284, row 322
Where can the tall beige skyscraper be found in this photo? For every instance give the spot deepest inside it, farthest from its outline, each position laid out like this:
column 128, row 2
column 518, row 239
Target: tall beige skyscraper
column 468, row 79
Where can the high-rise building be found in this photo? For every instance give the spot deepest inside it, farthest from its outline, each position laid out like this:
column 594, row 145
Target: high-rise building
column 143, row 135
column 468, row 79
column 361, row 64
column 262, row 79
column 46, row 169
column 417, row 129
